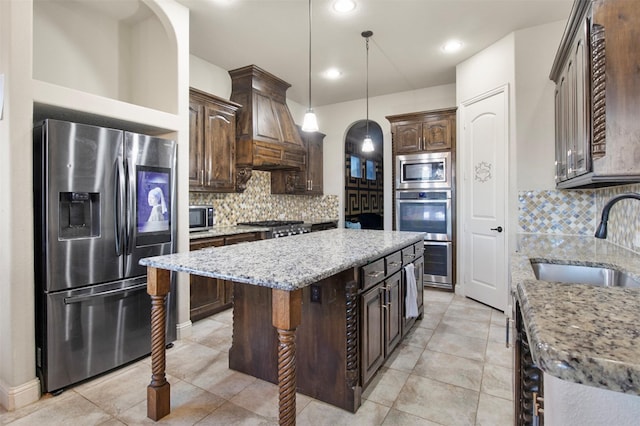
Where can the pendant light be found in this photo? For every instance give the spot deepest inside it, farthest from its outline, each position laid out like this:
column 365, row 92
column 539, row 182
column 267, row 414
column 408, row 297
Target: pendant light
column 310, row 122
column 367, row 143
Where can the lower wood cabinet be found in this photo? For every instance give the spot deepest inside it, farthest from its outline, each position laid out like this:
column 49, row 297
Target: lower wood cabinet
column 383, row 306
column 351, row 323
column 528, row 386
column 211, row 295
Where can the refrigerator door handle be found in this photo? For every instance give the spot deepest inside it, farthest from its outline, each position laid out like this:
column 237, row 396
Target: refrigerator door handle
column 84, row 298
column 130, row 212
column 119, row 205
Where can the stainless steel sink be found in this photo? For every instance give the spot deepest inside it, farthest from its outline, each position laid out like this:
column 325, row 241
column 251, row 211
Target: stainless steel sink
column 580, row 274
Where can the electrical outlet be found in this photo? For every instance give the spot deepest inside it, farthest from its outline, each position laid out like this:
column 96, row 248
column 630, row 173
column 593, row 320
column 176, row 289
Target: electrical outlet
column 316, row 294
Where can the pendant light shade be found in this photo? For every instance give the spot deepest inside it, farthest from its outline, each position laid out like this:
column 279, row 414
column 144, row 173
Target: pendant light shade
column 367, row 143
column 310, row 122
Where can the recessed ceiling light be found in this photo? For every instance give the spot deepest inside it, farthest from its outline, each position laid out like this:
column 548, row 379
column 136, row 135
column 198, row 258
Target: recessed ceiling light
column 452, row 46
column 332, row 73
column 344, row 6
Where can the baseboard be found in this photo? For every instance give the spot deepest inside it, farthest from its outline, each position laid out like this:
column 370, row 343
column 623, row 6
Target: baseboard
column 12, row 398
column 183, row 330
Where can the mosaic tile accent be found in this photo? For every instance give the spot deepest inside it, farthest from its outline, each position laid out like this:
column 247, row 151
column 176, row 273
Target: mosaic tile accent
column 624, row 217
column 257, row 203
column 556, row 212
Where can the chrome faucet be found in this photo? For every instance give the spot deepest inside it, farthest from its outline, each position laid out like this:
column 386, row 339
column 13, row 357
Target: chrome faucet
column 601, row 231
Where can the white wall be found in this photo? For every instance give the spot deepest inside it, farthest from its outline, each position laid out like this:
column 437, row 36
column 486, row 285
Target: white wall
column 212, row 79
column 209, row 78
column 535, row 50
column 18, row 385
column 73, row 47
column 334, row 120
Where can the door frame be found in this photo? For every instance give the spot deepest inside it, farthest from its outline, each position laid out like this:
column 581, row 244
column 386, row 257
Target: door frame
column 462, row 250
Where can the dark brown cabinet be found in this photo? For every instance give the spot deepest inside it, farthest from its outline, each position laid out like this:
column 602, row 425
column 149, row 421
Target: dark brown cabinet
column 373, row 320
column 596, row 96
column 423, row 131
column 323, row 226
column 308, row 180
column 528, row 386
column 212, row 143
column 351, row 323
column 211, row 295
column 383, row 307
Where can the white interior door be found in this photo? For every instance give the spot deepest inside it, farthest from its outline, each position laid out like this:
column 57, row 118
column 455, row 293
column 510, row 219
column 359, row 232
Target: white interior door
column 484, row 189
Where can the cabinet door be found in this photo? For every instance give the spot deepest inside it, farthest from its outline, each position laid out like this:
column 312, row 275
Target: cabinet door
column 407, row 138
column 372, row 338
column 393, row 311
column 196, row 162
column 580, row 151
column 206, row 294
column 219, row 148
column 314, row 164
column 436, row 135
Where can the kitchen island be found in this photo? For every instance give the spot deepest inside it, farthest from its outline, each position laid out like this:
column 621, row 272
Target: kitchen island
column 582, row 337
column 286, row 267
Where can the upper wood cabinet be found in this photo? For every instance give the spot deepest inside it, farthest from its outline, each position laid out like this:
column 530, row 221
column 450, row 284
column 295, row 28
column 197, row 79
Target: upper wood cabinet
column 596, row 96
column 423, row 131
column 212, row 142
column 307, row 181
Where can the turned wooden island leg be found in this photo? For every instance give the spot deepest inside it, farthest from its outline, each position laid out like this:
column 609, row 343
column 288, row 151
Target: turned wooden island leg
column 287, row 312
column 158, row 391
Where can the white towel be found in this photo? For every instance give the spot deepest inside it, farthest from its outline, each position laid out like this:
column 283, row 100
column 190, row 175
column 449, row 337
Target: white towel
column 411, row 296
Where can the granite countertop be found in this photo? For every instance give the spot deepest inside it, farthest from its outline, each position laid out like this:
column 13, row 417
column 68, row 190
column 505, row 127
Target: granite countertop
column 577, row 332
column 288, row 263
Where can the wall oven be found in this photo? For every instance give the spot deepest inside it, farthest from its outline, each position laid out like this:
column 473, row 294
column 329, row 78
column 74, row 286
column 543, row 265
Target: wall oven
column 425, row 211
column 430, row 211
column 423, row 171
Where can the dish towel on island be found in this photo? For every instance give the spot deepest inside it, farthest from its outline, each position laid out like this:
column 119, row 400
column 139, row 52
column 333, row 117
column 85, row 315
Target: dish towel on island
column 411, row 298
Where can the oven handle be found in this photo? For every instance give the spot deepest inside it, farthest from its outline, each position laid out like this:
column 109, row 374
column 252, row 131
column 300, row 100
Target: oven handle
column 83, row 298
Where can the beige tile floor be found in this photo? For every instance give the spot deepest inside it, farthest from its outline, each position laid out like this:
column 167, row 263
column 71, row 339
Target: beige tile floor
column 452, row 369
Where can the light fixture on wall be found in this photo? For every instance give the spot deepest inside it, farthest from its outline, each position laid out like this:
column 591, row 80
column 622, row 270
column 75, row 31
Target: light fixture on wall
column 367, row 143
column 310, row 122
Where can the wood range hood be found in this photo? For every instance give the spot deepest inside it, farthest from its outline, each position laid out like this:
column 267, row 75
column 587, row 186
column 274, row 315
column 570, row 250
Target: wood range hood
column 267, row 138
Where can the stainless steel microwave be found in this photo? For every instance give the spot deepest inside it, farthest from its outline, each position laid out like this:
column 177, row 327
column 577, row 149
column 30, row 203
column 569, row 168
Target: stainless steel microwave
column 201, row 218
column 424, row 171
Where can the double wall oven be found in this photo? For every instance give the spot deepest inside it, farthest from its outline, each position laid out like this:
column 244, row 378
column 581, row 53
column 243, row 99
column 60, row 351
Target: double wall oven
column 423, row 203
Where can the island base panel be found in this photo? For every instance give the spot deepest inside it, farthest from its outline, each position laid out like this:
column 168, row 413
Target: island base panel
column 321, row 339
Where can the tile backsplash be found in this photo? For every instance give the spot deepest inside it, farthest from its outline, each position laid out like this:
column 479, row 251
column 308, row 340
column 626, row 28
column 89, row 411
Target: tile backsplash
column 556, row 212
column 577, row 212
column 257, row 203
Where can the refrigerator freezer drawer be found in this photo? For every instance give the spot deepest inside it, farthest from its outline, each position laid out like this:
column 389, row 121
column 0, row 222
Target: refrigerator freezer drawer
column 93, row 330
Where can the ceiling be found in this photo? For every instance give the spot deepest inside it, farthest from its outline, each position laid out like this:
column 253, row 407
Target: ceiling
column 404, row 52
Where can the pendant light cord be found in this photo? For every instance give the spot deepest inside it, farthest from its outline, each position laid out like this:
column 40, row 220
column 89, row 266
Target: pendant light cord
column 367, row 135
column 309, row 54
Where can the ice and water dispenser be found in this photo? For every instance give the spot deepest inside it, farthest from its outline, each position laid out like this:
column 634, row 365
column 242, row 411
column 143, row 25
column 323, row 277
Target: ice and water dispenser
column 79, row 215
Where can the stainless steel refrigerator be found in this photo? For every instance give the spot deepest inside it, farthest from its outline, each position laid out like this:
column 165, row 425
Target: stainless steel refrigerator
column 103, row 199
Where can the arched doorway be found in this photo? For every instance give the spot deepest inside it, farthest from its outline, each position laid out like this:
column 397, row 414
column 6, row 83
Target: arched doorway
column 364, row 190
